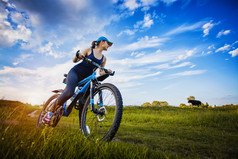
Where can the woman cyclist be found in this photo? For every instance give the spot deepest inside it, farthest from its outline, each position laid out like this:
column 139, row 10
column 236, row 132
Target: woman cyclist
column 81, row 71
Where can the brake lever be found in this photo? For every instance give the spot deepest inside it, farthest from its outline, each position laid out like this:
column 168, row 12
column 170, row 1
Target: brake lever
column 112, row 74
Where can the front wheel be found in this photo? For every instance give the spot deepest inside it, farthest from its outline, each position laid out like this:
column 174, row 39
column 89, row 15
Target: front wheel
column 103, row 125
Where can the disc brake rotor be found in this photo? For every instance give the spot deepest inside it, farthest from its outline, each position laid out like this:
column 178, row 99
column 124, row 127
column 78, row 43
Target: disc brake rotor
column 102, row 117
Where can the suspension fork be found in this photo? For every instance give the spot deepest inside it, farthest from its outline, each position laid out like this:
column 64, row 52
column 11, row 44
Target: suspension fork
column 92, row 89
column 100, row 98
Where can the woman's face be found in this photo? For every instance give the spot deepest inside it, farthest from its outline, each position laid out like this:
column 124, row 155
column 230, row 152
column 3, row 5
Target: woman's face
column 105, row 45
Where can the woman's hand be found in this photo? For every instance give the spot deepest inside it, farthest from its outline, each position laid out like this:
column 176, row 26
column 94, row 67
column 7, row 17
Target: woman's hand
column 109, row 71
column 102, row 72
column 78, row 56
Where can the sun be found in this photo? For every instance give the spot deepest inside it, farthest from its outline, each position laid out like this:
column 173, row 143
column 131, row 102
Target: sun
column 33, row 100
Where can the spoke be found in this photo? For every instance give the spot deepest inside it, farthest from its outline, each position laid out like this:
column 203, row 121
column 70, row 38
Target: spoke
column 105, row 97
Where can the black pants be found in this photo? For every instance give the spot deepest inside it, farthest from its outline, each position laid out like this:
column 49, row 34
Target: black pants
column 71, row 83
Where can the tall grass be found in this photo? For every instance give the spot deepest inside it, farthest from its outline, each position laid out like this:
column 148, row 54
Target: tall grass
column 150, row 132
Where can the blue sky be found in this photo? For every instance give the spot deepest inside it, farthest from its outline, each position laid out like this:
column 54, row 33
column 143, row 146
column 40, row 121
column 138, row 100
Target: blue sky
column 165, row 50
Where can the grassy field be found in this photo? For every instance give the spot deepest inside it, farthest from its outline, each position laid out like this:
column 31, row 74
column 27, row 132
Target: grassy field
column 145, row 132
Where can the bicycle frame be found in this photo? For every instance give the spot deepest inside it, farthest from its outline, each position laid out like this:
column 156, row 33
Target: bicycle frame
column 87, row 82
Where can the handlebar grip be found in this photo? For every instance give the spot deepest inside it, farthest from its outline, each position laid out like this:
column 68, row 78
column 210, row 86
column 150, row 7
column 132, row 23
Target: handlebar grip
column 77, row 53
column 112, row 74
column 106, row 71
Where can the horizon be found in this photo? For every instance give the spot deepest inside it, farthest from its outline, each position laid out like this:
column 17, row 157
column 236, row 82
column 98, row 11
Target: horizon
column 163, row 50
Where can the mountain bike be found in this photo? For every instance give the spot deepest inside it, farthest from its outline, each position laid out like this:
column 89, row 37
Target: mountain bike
column 100, row 106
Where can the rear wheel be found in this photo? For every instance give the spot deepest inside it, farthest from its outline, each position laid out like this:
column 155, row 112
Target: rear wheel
column 48, row 107
column 103, row 125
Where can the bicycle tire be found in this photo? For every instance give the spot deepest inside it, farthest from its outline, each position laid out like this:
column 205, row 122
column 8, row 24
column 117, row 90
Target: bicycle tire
column 45, row 108
column 115, row 117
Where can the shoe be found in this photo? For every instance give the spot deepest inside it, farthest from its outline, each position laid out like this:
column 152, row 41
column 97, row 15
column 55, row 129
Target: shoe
column 47, row 118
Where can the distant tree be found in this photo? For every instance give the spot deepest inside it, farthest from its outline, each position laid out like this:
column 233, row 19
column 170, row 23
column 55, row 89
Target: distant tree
column 182, row 105
column 191, row 98
column 146, row 104
column 163, row 103
column 155, row 103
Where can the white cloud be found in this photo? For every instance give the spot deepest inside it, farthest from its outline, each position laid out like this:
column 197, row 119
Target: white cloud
column 223, row 32
column 147, row 22
column 17, row 71
column 137, row 54
column 226, row 47
column 22, row 58
column 16, row 17
column 130, row 77
column 207, row 27
column 49, row 50
column 211, row 47
column 209, row 52
column 181, row 65
column 168, row 66
column 148, row 2
column 184, row 28
column 131, row 70
column 234, row 52
column 140, row 54
column 46, row 48
column 131, row 4
column 168, row 2
column 188, row 53
column 171, row 56
column 234, row 43
column 127, row 31
column 145, row 42
column 135, row 4
column 187, row 73
column 12, row 34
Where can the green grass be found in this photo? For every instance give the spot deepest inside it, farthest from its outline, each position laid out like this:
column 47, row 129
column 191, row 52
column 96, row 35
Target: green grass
column 145, row 132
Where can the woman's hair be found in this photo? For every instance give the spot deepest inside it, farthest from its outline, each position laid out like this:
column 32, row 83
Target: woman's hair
column 94, row 44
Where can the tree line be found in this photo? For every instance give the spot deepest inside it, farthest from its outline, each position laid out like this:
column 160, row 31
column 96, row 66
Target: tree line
column 192, row 102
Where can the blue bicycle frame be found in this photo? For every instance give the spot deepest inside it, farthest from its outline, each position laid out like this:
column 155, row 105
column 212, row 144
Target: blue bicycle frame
column 80, row 91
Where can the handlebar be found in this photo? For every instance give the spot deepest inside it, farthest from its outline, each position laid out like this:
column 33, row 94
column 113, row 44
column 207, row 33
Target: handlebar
column 98, row 66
